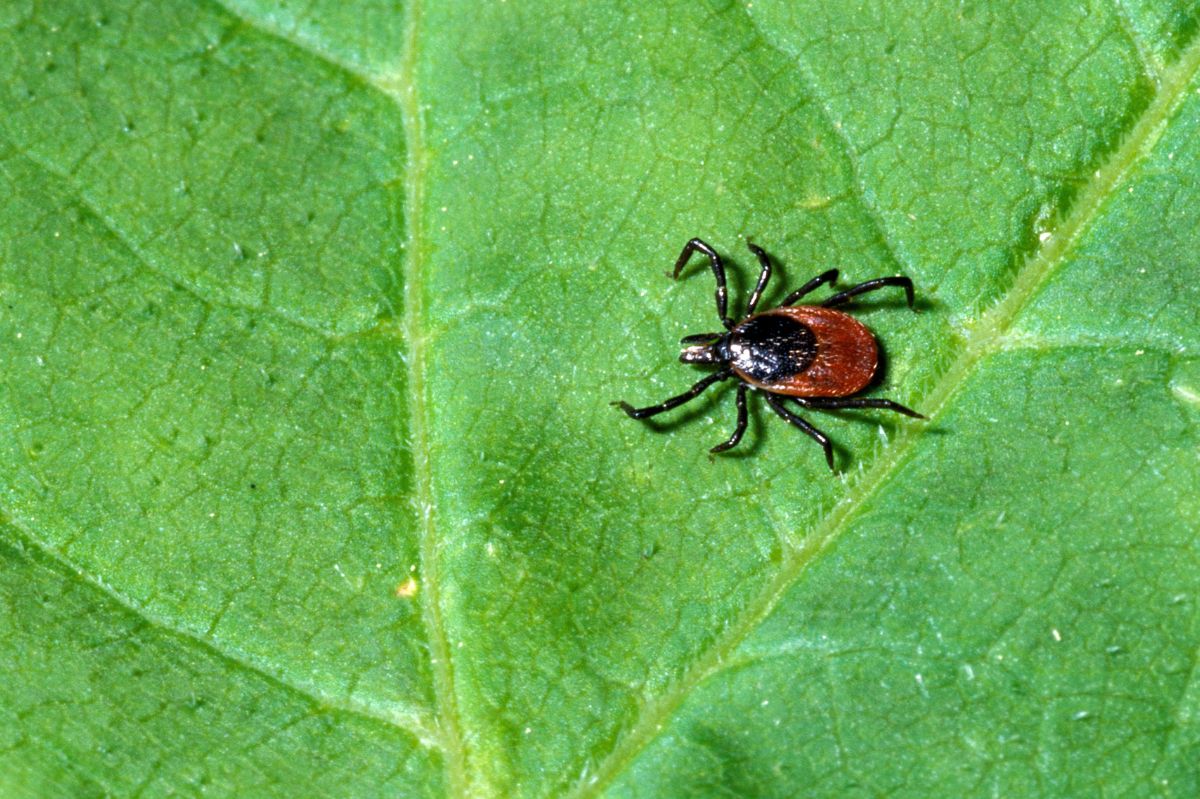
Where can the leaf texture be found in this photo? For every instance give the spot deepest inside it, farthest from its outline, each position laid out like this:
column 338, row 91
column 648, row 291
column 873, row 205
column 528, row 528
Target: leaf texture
column 311, row 315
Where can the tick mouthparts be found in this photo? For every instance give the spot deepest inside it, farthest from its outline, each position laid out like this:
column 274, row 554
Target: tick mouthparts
column 701, row 353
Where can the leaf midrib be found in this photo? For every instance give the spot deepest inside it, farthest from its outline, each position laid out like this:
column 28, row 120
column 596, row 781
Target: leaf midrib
column 453, row 748
column 444, row 734
column 410, row 719
column 401, row 88
column 984, row 338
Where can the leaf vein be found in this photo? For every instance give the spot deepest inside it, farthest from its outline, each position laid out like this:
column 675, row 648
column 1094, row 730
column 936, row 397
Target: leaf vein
column 1149, row 62
column 983, row 339
column 808, row 87
column 415, row 358
column 391, row 86
column 118, row 235
column 411, row 720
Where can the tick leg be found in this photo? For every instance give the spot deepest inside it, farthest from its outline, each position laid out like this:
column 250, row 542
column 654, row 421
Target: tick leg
column 829, row 277
column 863, row 402
column 740, row 430
column 699, row 338
column 871, row 285
column 673, row 402
column 696, row 245
column 777, row 406
column 763, row 276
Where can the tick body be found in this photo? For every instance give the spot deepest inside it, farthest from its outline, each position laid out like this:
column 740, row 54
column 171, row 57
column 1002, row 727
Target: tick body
column 813, row 356
column 806, row 351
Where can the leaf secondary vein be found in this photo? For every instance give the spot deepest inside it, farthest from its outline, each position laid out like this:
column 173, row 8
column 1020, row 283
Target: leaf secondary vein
column 853, row 159
column 392, row 86
column 122, row 238
column 1146, row 57
column 983, row 339
column 410, row 720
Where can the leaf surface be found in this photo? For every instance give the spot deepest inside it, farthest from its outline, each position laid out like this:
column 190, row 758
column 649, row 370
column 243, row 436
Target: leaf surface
column 311, row 317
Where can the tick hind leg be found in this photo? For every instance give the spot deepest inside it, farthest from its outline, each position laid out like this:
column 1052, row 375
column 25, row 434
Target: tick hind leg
column 740, row 430
column 673, row 402
column 871, row 285
column 777, row 405
column 718, row 268
column 832, row 403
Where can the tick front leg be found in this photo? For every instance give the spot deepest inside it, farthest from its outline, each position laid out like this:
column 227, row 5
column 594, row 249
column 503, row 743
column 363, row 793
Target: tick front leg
column 778, row 406
column 673, row 402
column 740, row 430
column 871, row 285
column 763, row 277
column 700, row 338
column 829, row 276
column 831, row 403
column 718, row 268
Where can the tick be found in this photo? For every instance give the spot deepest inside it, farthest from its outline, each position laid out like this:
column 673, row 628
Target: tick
column 812, row 355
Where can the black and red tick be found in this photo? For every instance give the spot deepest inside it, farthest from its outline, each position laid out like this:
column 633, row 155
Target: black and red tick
column 813, row 355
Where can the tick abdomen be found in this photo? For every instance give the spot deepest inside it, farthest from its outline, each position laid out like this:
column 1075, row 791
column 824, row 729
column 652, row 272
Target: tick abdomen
column 804, row 351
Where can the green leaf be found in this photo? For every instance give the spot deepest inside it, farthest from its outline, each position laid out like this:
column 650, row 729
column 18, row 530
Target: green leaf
column 310, row 318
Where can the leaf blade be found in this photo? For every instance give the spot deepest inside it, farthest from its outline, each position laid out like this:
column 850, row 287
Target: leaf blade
column 469, row 534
